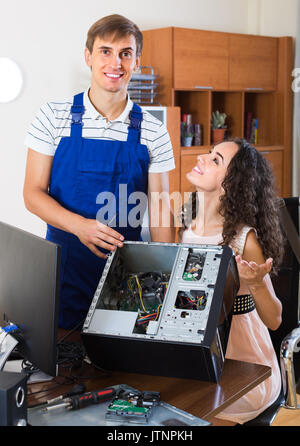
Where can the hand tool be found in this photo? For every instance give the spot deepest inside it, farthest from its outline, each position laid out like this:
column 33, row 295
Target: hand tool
column 76, row 390
column 76, row 402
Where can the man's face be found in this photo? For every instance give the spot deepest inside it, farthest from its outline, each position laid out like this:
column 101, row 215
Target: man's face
column 112, row 63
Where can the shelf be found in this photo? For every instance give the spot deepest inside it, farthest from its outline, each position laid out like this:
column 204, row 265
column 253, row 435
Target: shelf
column 198, row 104
column 231, row 103
column 236, row 104
column 262, row 105
column 260, row 147
column 194, row 150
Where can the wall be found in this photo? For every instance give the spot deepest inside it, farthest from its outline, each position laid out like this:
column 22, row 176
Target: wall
column 296, row 145
column 272, row 17
column 47, row 40
column 281, row 18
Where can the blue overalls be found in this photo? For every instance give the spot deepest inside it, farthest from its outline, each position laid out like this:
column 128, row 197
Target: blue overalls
column 82, row 168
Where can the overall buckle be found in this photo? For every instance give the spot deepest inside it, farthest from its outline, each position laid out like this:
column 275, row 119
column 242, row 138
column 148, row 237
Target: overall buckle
column 77, row 111
column 135, row 120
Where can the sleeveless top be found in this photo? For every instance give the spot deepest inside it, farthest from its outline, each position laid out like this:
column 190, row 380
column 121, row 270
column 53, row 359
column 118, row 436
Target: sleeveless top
column 249, row 341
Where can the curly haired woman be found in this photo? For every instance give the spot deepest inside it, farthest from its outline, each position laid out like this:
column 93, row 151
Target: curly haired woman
column 235, row 204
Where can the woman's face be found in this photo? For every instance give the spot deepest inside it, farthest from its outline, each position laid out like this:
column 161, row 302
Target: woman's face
column 211, row 168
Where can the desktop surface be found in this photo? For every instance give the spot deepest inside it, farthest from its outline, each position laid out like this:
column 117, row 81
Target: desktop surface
column 200, row 398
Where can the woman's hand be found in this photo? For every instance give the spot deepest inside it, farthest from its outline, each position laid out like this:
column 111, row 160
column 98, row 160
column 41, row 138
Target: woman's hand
column 253, row 273
column 95, row 235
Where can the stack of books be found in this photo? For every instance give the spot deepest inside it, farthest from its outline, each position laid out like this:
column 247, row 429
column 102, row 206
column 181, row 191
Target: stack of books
column 251, row 128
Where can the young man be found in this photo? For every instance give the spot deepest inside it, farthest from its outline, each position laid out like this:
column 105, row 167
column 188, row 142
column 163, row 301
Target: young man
column 93, row 144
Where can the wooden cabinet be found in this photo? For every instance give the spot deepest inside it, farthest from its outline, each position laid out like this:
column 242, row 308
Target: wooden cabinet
column 245, row 76
column 200, row 59
column 252, row 62
column 158, row 53
column 274, row 155
column 196, row 59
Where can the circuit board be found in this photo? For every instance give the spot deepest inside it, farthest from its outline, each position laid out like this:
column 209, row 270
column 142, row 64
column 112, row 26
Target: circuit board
column 194, row 267
column 141, row 292
column 132, row 405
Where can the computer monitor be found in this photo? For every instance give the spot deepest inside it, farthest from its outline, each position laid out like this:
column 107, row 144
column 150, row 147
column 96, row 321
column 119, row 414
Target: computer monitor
column 29, row 292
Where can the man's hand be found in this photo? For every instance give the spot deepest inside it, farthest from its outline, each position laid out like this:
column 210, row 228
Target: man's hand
column 91, row 233
column 253, row 273
column 95, row 235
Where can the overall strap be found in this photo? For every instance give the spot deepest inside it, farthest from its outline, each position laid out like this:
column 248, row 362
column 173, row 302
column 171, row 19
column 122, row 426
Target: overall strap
column 134, row 129
column 77, row 111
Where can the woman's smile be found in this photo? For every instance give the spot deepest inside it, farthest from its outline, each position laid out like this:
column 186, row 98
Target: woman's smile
column 198, row 170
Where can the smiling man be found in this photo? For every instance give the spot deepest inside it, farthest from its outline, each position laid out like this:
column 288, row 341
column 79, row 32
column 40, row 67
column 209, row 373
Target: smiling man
column 94, row 143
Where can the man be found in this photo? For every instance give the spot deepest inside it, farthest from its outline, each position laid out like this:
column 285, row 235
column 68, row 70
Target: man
column 92, row 144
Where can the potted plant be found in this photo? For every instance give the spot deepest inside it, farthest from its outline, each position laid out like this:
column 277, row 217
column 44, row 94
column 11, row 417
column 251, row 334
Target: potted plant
column 218, row 126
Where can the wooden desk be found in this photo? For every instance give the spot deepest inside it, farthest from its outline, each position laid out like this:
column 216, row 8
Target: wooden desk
column 202, row 399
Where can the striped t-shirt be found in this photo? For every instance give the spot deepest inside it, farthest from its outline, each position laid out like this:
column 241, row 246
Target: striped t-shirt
column 53, row 121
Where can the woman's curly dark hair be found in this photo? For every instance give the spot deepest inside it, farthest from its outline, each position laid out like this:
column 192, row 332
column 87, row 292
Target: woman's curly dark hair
column 249, row 199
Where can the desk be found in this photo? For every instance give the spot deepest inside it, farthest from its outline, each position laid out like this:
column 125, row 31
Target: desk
column 202, row 399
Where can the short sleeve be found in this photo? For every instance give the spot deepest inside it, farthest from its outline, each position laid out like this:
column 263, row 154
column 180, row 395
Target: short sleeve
column 161, row 152
column 238, row 244
column 41, row 132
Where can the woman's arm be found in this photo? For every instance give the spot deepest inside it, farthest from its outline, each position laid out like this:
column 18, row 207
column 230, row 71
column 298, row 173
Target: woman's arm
column 254, row 272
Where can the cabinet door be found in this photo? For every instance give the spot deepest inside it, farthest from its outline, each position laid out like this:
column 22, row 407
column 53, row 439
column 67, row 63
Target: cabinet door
column 275, row 159
column 173, row 127
column 200, row 59
column 252, row 62
column 188, row 162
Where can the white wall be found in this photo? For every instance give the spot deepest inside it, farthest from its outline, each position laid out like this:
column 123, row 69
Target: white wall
column 296, row 128
column 47, row 40
column 272, row 17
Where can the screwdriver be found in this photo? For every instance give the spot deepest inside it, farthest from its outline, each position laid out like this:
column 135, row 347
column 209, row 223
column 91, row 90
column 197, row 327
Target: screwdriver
column 76, row 390
column 86, row 399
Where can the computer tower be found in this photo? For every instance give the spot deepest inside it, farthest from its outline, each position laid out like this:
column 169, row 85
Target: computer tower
column 13, row 399
column 163, row 309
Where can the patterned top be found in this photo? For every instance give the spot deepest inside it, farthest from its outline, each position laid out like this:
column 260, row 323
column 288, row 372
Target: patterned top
column 53, row 121
column 237, row 245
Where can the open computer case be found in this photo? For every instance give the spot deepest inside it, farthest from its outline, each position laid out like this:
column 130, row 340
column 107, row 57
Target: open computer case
column 163, row 309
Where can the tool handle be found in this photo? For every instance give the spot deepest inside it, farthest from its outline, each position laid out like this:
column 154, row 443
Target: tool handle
column 76, row 390
column 86, row 399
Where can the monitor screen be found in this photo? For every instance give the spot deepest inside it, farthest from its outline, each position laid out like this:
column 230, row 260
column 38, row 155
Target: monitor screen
column 159, row 112
column 29, row 288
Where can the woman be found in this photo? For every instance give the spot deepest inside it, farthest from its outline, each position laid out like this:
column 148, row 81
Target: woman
column 235, row 204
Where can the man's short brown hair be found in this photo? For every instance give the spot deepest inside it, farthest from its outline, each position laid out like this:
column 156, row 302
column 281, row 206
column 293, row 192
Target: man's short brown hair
column 117, row 26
